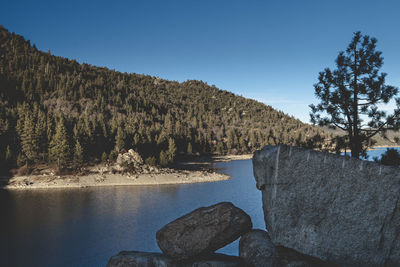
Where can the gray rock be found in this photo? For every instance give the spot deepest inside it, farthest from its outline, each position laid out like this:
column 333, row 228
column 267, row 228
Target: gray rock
column 215, row 260
column 149, row 259
column 338, row 209
column 288, row 257
column 203, row 231
column 140, row 259
column 257, row 249
column 130, row 159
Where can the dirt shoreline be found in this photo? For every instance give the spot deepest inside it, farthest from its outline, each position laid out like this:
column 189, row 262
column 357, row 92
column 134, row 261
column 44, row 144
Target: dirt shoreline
column 380, row 147
column 198, row 172
column 93, row 180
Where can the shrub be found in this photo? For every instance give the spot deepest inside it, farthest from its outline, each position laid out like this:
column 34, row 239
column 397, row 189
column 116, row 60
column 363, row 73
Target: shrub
column 391, row 157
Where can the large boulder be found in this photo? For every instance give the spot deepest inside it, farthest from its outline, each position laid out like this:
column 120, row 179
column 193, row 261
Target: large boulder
column 130, row 160
column 203, row 231
column 257, row 249
column 339, row 209
column 150, row 259
column 214, row 260
column 142, row 259
column 130, row 157
column 288, row 257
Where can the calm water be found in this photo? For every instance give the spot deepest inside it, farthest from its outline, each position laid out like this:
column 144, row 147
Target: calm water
column 378, row 152
column 375, row 153
column 84, row 227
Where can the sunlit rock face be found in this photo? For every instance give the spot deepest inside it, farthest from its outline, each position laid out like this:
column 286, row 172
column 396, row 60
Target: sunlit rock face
column 338, row 209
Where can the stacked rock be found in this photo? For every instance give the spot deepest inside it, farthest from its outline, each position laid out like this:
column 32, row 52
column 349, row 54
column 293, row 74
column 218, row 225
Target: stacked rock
column 192, row 240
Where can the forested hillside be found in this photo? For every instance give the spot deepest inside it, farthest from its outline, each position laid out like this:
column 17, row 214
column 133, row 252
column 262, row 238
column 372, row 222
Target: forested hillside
column 55, row 110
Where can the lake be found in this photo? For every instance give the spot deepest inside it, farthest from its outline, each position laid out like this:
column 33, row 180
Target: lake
column 85, row 227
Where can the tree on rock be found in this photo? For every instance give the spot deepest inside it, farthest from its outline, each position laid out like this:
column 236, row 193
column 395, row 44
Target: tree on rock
column 59, row 149
column 351, row 93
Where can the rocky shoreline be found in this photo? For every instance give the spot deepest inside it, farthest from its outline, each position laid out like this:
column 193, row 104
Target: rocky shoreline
column 192, row 240
column 129, row 169
column 92, row 180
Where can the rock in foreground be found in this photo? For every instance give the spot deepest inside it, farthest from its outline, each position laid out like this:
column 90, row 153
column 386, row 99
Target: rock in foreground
column 257, row 249
column 142, row 259
column 288, row 257
column 149, row 259
column 203, row 231
column 341, row 210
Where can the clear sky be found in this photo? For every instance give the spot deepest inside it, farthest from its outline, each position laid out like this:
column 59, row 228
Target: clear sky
column 270, row 51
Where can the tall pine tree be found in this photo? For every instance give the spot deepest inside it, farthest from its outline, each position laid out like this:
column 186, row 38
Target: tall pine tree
column 59, row 151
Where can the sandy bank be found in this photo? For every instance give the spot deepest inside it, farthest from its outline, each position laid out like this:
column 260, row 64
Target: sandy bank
column 50, row 181
column 231, row 157
column 380, row 147
column 197, row 170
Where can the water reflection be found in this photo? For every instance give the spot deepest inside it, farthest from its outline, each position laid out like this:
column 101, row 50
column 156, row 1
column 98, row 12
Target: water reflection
column 84, row 227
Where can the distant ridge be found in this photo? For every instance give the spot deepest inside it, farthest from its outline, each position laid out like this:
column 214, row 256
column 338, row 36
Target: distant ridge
column 58, row 111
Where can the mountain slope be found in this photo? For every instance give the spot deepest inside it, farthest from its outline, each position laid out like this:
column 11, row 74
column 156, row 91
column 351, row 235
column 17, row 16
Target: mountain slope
column 48, row 100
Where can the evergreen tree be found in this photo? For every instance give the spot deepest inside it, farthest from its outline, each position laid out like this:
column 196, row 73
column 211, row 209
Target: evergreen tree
column 164, row 158
column 353, row 91
column 78, row 154
column 189, row 149
column 59, row 151
column 119, row 139
column 171, row 150
column 391, row 157
column 104, row 157
column 29, row 142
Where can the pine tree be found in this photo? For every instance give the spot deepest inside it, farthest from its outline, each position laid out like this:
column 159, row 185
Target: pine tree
column 59, row 151
column 171, row 150
column 163, row 158
column 29, row 142
column 78, row 154
column 9, row 155
column 350, row 95
column 119, row 139
column 41, row 134
column 189, row 149
column 104, row 157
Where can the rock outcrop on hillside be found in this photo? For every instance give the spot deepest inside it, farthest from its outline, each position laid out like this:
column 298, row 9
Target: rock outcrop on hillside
column 338, row 209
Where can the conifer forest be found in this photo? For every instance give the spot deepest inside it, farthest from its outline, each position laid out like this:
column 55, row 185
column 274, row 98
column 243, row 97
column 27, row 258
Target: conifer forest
column 54, row 110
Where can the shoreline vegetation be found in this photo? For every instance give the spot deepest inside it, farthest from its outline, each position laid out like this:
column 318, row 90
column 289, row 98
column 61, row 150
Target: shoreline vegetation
column 197, row 170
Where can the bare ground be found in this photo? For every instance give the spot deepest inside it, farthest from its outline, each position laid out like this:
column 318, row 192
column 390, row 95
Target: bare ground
column 195, row 171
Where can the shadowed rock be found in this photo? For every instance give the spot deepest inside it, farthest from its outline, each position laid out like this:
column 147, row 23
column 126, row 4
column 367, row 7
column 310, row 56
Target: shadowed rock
column 149, row 259
column 203, row 231
column 142, row 259
column 288, row 257
column 257, row 249
column 214, row 260
column 338, row 209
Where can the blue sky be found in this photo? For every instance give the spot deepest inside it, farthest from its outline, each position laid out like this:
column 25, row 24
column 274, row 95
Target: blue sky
column 270, row 51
